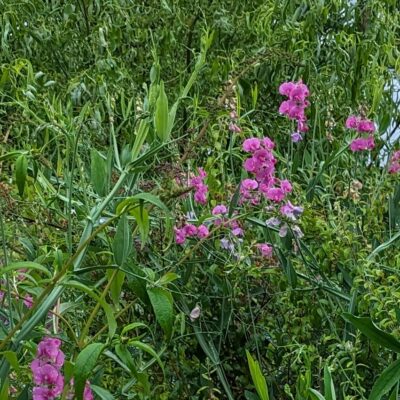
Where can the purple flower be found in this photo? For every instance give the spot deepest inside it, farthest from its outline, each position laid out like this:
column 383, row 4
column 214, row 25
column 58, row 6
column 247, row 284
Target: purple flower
column 352, row 122
column 275, row 194
column 201, row 189
column 190, row 230
column 195, row 313
column 362, row 144
column 296, row 137
column 234, row 128
column 265, row 249
column 249, row 184
column 273, row 221
column 219, row 210
column 291, row 211
column 237, row 231
column 286, row 186
column 180, row 236
column 28, row 301
column 202, row 231
column 251, row 145
column 283, row 231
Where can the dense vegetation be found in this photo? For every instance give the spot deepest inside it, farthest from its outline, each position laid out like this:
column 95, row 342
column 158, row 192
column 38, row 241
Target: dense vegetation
column 199, row 199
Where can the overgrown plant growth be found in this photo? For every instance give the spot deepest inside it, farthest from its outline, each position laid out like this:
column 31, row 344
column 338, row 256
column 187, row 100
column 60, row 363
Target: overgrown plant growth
column 199, row 200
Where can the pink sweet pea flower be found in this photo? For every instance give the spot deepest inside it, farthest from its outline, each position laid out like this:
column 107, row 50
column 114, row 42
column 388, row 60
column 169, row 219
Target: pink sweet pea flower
column 202, row 231
column 219, row 210
column 265, row 249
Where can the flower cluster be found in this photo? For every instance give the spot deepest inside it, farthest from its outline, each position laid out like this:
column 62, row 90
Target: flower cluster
column 201, row 189
column 46, row 369
column 233, row 125
column 190, row 231
column 362, row 126
column 294, row 107
column 394, row 165
column 262, row 165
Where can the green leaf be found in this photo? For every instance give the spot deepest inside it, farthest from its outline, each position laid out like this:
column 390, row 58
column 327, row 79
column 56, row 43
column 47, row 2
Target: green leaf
column 21, row 171
column 257, row 377
column 329, row 389
column 122, row 243
column 142, row 219
column 162, row 303
column 84, row 365
column 369, row 329
column 161, row 117
column 4, row 390
column 140, row 138
column 389, row 377
column 133, row 325
column 12, row 358
column 316, row 395
column 102, row 393
column 98, row 174
column 148, row 349
column 25, row 265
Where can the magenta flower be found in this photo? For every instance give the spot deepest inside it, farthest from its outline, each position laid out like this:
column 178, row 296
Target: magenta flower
column 201, row 189
column 265, row 249
column 180, row 236
column 366, row 126
column 237, row 231
column 286, row 186
column 202, row 231
column 249, row 184
column 219, row 210
column 28, row 301
column 394, row 164
column 46, row 370
column 252, row 144
column 190, row 230
column 352, row 122
column 275, row 194
column 362, row 144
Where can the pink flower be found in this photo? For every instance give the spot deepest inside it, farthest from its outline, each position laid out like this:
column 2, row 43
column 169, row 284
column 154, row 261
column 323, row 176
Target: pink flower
column 275, row 194
column 286, row 186
column 219, row 210
column 265, row 249
column 237, row 231
column 202, row 231
column 234, row 128
column 268, row 143
column 362, row 144
column 352, row 122
column 195, row 313
column 249, row 184
column 28, row 301
column 46, row 370
column 366, row 126
column 252, row 144
column 286, row 88
column 394, row 164
column 302, row 126
column 180, row 236
column 190, row 230
column 201, row 189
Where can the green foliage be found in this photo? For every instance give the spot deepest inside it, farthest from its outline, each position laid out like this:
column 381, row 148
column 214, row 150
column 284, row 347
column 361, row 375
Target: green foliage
column 107, row 109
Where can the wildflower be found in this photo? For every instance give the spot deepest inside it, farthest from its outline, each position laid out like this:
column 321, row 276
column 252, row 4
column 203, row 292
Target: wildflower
column 275, row 194
column 195, row 313
column 234, row 128
column 202, row 231
column 252, row 144
column 272, row 222
column 46, row 368
column 87, row 391
column 180, row 235
column 283, row 231
column 297, row 232
column 296, row 137
column 291, row 211
column 237, row 231
column 294, row 107
column 286, row 186
column 201, row 189
column 361, row 144
column 28, row 301
column 190, row 230
column 394, row 165
column 226, row 244
column 219, row 210
column 265, row 249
